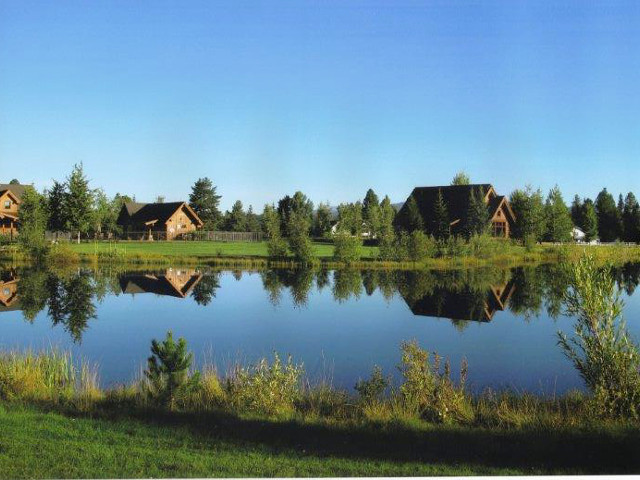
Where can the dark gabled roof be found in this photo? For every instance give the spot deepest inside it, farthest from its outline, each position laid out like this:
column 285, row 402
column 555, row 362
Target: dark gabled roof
column 158, row 284
column 137, row 213
column 455, row 196
column 17, row 190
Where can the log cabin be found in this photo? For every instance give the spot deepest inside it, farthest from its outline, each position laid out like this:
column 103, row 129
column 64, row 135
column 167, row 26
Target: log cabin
column 9, row 291
column 457, row 199
column 149, row 221
column 10, row 198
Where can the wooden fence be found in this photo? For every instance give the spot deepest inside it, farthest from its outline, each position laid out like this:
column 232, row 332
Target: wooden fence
column 196, row 236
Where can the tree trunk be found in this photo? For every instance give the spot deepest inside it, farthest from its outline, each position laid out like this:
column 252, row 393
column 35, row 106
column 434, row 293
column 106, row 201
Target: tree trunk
column 78, row 237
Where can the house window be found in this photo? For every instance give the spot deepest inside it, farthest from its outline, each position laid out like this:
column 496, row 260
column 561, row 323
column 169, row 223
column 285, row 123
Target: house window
column 498, row 229
column 7, row 204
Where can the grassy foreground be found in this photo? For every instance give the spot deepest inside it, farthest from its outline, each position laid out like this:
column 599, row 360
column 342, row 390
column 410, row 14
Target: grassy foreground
column 36, row 443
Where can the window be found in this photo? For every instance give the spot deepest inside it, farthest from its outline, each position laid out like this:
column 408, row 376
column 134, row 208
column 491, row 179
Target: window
column 7, row 204
column 499, row 229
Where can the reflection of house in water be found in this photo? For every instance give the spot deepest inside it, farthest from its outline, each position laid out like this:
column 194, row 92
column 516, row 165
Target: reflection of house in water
column 9, row 291
column 173, row 282
column 464, row 304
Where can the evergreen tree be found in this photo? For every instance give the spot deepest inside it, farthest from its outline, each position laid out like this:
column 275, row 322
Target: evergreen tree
column 558, row 217
column 461, row 178
column 79, row 202
column 237, row 221
column 168, row 371
column 105, row 213
column 414, row 217
column 577, row 209
column 322, row 220
column 371, row 212
column 528, row 208
column 441, row 227
column 252, row 221
column 589, row 220
column 387, row 215
column 276, row 246
column 631, row 219
column 56, row 207
column 205, row 202
column 608, row 217
column 478, row 216
column 14, row 181
column 298, row 204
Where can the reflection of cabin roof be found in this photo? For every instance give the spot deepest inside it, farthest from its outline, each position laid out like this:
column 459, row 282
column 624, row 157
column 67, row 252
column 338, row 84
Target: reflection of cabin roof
column 463, row 305
column 138, row 213
column 158, row 284
column 8, row 278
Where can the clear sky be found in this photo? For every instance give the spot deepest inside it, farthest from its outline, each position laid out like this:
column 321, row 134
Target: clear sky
column 326, row 97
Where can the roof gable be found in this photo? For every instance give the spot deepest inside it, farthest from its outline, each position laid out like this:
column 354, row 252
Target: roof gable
column 455, row 196
column 16, row 189
column 133, row 212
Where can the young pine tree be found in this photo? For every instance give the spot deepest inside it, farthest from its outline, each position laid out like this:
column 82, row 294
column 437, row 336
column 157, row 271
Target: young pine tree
column 168, row 371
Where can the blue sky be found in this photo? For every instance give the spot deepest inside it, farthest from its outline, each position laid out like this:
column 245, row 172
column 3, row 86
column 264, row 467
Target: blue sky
column 330, row 98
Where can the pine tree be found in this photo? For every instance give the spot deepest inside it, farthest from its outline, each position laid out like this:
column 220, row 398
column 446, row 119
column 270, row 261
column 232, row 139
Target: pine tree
column 589, row 220
column 168, row 371
column 441, row 227
column 387, row 216
column 79, row 202
column 56, row 198
column 414, row 217
column 608, row 217
column 252, row 221
column 478, row 217
column 631, row 219
column 461, row 178
column 558, row 218
column 237, row 221
column 371, row 213
column 205, row 201
column 577, row 212
column 528, row 208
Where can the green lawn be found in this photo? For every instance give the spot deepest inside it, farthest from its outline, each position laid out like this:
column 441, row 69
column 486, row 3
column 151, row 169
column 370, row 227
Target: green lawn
column 201, row 249
column 34, row 444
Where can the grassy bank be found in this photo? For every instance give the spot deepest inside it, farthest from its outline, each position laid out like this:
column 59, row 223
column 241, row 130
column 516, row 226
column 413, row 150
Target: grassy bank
column 255, row 255
column 265, row 420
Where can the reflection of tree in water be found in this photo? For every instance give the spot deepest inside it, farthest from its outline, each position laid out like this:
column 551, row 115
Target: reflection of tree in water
column 370, row 281
column 387, row 284
column 273, row 286
column 346, row 284
column 32, row 292
column 527, row 298
column 627, row 277
column 237, row 274
column 322, row 279
column 205, row 290
column 71, row 302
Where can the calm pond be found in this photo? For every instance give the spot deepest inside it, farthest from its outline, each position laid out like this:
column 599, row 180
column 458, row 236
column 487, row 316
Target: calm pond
column 338, row 323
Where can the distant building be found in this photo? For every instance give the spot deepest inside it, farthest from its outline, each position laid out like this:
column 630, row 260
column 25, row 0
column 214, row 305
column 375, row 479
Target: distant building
column 157, row 220
column 10, row 199
column 457, row 199
column 577, row 234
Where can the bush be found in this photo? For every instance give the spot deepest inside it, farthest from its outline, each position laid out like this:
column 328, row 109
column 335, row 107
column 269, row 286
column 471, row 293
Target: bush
column 602, row 350
column 483, row 245
column 420, row 246
column 167, row 375
column 529, row 242
column 372, row 390
column 346, row 247
column 277, row 247
column 300, row 246
column 266, row 388
column 429, row 392
column 387, row 247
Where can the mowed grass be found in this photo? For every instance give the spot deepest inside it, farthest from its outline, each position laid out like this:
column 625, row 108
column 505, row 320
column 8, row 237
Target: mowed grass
column 36, row 444
column 200, row 249
column 39, row 444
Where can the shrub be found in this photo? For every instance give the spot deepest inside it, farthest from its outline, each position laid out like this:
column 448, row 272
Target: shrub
column 265, row 388
column 386, row 247
column 420, row 246
column 429, row 391
column 483, row 245
column 300, row 246
column 372, row 390
column 276, row 247
column 167, row 374
column 602, row 350
column 346, row 247
column 529, row 242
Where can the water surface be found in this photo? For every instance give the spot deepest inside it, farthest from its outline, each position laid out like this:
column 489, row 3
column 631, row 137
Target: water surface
column 338, row 323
